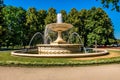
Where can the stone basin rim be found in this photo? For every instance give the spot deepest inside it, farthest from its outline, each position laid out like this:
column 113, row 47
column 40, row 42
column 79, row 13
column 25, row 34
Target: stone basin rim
column 22, row 54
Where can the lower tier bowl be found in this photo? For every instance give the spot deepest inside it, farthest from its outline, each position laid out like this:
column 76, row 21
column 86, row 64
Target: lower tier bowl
column 59, row 48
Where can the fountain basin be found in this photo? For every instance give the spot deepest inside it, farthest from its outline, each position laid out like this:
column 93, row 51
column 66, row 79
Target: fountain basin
column 59, row 48
column 59, row 26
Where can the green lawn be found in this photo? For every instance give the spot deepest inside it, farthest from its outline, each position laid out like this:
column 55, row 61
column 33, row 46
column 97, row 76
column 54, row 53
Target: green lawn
column 7, row 60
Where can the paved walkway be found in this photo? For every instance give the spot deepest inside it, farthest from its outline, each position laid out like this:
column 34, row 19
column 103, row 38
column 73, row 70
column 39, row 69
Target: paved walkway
column 102, row 72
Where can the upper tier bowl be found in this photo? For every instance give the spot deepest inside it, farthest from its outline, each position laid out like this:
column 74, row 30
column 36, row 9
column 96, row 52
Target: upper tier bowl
column 59, row 26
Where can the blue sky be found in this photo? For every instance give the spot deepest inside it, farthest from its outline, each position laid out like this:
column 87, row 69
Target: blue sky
column 68, row 5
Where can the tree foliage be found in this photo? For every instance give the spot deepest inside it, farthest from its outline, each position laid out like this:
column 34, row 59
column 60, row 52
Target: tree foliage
column 14, row 19
column 99, row 24
column 51, row 16
column 113, row 4
column 19, row 25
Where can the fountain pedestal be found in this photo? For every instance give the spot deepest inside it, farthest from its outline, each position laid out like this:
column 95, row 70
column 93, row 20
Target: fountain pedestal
column 59, row 28
column 59, row 39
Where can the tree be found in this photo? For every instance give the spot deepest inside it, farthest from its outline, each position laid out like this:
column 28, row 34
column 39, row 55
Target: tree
column 22, row 29
column 1, row 21
column 73, row 17
column 17, row 25
column 9, row 24
column 83, row 25
column 41, row 18
column 51, row 16
column 101, row 26
column 32, row 19
column 2, row 3
column 114, row 3
column 32, row 22
column 1, row 18
column 64, row 15
column 91, row 38
column 13, row 23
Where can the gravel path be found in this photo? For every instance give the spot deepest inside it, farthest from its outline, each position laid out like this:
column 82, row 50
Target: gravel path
column 102, row 72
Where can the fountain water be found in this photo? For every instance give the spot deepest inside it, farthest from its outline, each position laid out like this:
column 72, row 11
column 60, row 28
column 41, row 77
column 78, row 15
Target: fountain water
column 36, row 35
column 78, row 38
column 59, row 18
column 59, row 47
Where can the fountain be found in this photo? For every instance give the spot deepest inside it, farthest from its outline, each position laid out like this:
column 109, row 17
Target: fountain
column 59, row 47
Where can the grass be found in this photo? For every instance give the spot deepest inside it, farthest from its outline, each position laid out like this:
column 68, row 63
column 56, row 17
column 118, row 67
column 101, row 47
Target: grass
column 7, row 60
